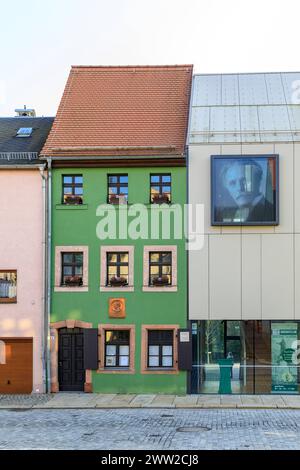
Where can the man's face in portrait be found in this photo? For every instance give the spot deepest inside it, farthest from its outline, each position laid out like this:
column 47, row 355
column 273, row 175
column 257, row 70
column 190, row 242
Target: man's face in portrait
column 242, row 180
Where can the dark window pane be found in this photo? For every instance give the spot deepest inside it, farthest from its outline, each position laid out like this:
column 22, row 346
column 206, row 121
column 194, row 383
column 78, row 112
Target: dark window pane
column 160, row 336
column 160, row 348
column 155, row 189
column 166, row 269
column 113, row 190
column 154, row 270
column 154, row 179
column 67, row 257
column 153, row 361
column 117, row 336
column 117, row 348
column 111, row 350
column 67, row 179
column 166, row 179
column 67, row 190
column 112, row 270
column 72, row 269
column 124, row 257
column 78, row 257
column 112, row 257
column 123, row 270
column 154, row 257
column 166, row 257
column 111, row 361
column 233, row 328
column 72, row 189
column 117, row 189
column 160, row 189
column 153, row 350
column 166, row 189
column 67, row 270
column 8, row 286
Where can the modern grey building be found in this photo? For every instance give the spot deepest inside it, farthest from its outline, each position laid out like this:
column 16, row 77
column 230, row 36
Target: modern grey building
column 244, row 285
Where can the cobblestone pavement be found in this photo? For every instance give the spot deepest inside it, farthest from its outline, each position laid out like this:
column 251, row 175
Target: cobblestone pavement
column 24, row 401
column 149, row 429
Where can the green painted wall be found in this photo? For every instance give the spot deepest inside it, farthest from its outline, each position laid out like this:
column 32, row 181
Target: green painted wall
column 77, row 226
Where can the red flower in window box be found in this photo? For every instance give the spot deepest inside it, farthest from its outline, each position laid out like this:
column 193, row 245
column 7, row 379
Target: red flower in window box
column 160, row 281
column 160, row 199
column 118, row 281
column 117, row 199
column 73, row 281
column 73, row 199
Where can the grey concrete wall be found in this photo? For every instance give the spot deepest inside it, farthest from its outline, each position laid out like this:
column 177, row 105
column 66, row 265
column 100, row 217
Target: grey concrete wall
column 247, row 272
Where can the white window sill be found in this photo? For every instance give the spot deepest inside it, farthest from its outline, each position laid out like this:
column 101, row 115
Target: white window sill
column 116, row 289
column 160, row 289
column 71, row 289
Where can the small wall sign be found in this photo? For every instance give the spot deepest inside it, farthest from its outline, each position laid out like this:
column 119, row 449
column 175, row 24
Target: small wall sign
column 184, row 336
column 117, row 308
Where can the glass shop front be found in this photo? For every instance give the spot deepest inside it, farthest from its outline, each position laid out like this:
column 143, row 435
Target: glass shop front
column 250, row 357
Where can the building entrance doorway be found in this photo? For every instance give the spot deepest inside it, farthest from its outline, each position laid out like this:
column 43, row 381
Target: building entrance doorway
column 71, row 373
column 251, row 357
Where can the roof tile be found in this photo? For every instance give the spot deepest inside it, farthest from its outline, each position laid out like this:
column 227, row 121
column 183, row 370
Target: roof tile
column 135, row 107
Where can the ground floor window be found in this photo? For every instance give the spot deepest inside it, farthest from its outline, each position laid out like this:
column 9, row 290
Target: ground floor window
column 117, row 348
column 160, row 348
column 253, row 357
column 8, row 286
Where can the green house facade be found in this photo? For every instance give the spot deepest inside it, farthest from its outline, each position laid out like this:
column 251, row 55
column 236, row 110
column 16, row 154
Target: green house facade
column 117, row 194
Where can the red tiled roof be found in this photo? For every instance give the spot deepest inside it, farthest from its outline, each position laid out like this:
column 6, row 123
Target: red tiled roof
column 134, row 110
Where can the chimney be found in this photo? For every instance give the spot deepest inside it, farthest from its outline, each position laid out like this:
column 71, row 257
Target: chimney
column 25, row 112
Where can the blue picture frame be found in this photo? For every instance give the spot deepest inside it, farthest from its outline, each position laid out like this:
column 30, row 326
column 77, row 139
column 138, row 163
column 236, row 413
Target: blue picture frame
column 245, row 190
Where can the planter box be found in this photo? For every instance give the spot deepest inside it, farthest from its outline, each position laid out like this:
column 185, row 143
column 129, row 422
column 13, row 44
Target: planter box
column 161, row 199
column 118, row 200
column 73, row 281
column 161, row 281
column 73, row 200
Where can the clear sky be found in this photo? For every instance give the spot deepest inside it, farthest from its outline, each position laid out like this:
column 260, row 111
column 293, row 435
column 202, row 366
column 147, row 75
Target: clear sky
column 41, row 39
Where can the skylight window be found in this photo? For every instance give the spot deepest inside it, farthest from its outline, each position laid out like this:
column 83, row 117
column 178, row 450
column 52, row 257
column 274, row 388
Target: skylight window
column 24, row 132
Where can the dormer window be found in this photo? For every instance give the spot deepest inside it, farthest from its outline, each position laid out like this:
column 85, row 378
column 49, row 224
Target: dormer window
column 24, row 132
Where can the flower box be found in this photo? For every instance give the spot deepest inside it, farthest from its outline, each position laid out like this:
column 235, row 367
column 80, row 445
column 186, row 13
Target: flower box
column 161, row 281
column 72, row 199
column 73, row 281
column 160, row 199
column 118, row 281
column 117, row 199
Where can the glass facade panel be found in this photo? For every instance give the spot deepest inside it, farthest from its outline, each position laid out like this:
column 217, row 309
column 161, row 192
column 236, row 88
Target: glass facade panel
column 8, row 286
column 251, row 357
column 153, row 361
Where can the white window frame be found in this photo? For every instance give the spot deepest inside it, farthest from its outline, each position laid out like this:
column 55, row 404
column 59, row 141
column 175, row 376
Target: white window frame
column 159, row 248
column 58, row 266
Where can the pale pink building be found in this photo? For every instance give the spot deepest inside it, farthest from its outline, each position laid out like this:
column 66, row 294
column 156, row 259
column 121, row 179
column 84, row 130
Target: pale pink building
column 23, row 320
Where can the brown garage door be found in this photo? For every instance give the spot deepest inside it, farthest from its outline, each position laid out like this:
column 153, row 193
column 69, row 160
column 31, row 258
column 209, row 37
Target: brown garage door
column 16, row 373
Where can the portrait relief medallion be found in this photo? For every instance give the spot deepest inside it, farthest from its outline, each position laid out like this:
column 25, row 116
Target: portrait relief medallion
column 117, row 308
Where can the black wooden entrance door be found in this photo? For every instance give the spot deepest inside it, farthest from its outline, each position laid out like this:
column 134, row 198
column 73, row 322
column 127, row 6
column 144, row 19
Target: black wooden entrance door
column 71, row 373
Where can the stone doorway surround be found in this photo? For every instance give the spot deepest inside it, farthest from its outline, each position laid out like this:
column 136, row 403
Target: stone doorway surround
column 54, row 328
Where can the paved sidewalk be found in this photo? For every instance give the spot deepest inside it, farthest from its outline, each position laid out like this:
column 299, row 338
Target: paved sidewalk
column 94, row 400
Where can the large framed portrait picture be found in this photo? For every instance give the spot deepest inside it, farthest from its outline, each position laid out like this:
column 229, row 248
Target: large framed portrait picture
column 244, row 190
